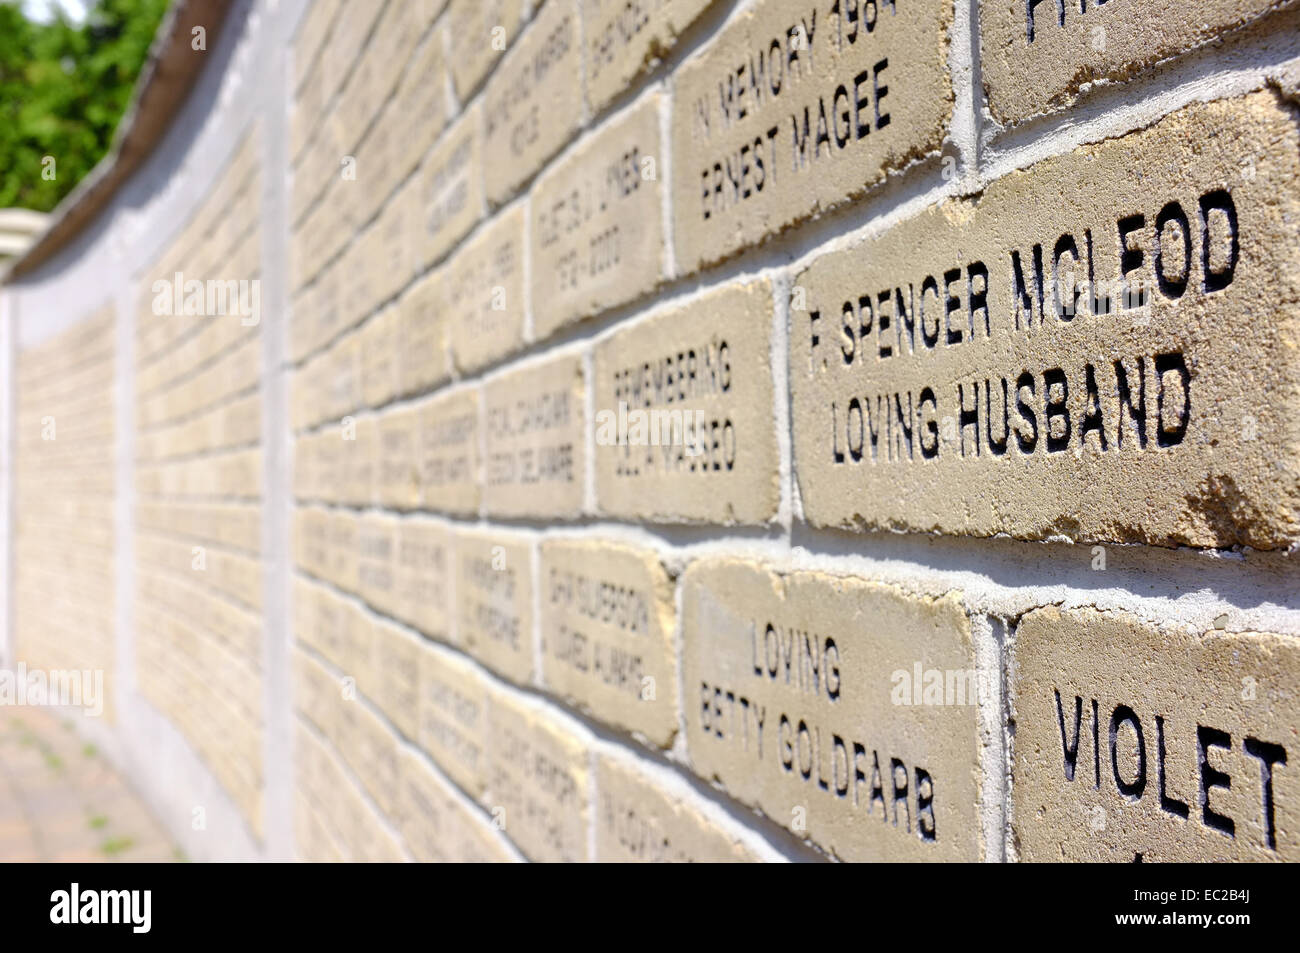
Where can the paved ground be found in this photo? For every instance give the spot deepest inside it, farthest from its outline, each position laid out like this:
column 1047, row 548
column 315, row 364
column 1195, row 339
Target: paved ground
column 60, row 800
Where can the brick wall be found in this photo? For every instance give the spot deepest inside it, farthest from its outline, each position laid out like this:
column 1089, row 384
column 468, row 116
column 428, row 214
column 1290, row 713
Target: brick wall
column 694, row 430
column 63, row 502
column 198, row 470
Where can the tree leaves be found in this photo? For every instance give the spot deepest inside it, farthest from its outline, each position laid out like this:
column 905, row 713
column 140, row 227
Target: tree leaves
column 63, row 89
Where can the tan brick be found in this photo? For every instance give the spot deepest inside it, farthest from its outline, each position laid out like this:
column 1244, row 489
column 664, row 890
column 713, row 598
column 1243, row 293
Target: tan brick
column 356, row 104
column 377, row 560
column 438, row 827
column 484, row 294
column 597, row 223
column 535, row 448
column 1155, row 742
column 342, row 377
column 607, row 634
column 478, row 31
column 422, row 98
column 396, row 689
column 1037, row 57
column 313, row 769
column 379, row 357
column 392, row 249
column 799, row 700
column 306, row 394
column 453, row 716
column 359, row 459
column 423, row 334
column 625, row 40
column 315, row 473
column 313, row 841
column 371, row 750
column 237, row 576
column 350, row 817
column 306, row 600
column 494, row 597
column 397, row 477
column 357, row 660
column 325, row 621
column 310, row 539
column 391, row 48
column 703, row 369
column 342, row 529
column 316, row 693
column 451, row 190
column 363, row 263
column 532, row 104
column 641, row 820
column 1111, row 400
column 328, row 314
column 424, row 568
column 449, row 452
column 537, row 781
column 763, row 140
column 309, row 39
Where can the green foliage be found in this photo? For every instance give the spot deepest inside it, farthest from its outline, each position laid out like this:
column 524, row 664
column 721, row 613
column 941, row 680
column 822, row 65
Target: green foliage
column 63, row 89
column 115, row 845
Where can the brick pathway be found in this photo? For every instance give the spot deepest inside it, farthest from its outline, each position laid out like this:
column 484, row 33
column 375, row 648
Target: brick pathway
column 60, row 800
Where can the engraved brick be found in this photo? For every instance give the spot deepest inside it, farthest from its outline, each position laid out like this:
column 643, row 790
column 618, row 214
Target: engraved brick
column 532, row 104
column 597, row 223
column 397, row 480
column 316, row 693
column 379, row 357
column 448, row 458
column 535, row 447
column 377, row 561
column 643, row 820
column 804, row 698
column 793, row 110
column 342, row 529
column 423, row 334
column 371, row 750
column 424, row 567
column 311, row 539
column 438, row 827
column 310, row 38
column 359, row 459
column 494, row 597
column 325, row 621
column 479, row 31
column 342, row 377
column 1154, row 743
column 356, row 104
column 392, row 251
column 306, row 398
column 328, row 312
column 453, row 717
column 313, row 841
column 607, row 634
column 625, row 40
column 422, row 97
column 684, row 417
column 396, row 689
column 451, row 193
column 1037, row 57
column 364, row 838
column 484, row 295
column 1003, row 366
column 357, row 656
column 391, row 48
column 538, row 778
column 361, row 195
